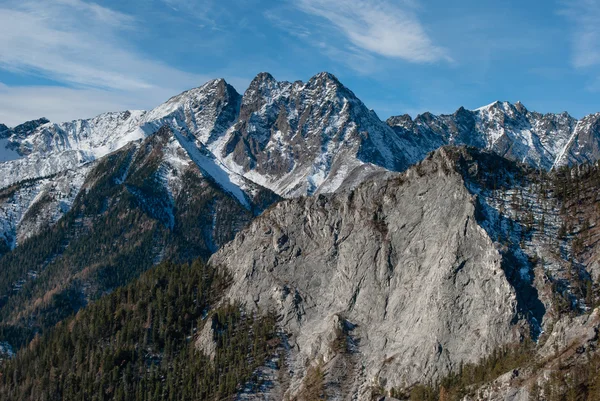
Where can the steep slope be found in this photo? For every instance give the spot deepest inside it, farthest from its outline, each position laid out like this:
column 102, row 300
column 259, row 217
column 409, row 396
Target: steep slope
column 48, row 152
column 399, row 271
column 7, row 146
column 51, row 148
column 298, row 138
column 294, row 138
column 29, row 206
column 140, row 205
column 305, row 138
column 584, row 144
column 401, row 281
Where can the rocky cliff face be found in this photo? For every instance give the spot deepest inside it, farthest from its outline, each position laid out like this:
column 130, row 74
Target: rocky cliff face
column 391, row 278
column 398, row 270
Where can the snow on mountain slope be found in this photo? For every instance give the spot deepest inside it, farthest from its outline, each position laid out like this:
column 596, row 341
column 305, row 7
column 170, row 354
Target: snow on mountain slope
column 28, row 207
column 52, row 148
column 204, row 113
column 304, row 138
column 296, row 138
column 584, row 143
column 6, row 153
column 509, row 130
column 97, row 136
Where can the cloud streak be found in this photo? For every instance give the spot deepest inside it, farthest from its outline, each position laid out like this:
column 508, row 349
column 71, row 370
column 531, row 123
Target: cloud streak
column 584, row 16
column 379, row 27
column 78, row 43
column 84, row 48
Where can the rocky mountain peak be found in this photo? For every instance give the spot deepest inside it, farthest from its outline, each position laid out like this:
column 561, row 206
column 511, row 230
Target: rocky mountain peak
column 463, row 114
column 424, row 118
column 262, row 80
column 329, row 88
column 23, row 130
column 324, row 79
column 521, row 107
column 213, row 90
column 403, row 121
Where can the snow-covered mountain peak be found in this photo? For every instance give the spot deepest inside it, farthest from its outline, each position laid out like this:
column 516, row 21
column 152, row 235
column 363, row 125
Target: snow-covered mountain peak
column 298, row 138
column 294, row 138
column 520, row 107
column 193, row 99
column 510, row 130
column 494, row 104
column 324, row 80
column 404, row 121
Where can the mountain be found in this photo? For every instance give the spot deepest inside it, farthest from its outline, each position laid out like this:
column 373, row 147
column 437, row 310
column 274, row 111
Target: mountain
column 410, row 273
column 293, row 138
column 307, row 138
column 543, row 141
column 457, row 273
column 413, row 257
column 298, row 138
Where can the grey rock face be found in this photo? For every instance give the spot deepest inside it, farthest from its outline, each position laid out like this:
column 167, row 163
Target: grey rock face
column 399, row 266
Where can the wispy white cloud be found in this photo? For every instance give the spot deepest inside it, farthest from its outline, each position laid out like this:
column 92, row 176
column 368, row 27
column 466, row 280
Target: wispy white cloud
column 584, row 16
column 379, row 27
column 78, row 43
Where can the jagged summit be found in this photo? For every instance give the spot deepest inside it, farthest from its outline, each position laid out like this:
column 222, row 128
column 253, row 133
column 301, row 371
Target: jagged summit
column 22, row 130
column 510, row 130
column 300, row 138
column 263, row 77
column 324, row 79
column 303, row 138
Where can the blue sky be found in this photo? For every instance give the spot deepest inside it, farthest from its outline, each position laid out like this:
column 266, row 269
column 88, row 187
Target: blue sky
column 67, row 59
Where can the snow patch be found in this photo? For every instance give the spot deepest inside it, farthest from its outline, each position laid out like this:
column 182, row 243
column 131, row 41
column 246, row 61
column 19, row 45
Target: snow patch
column 213, row 168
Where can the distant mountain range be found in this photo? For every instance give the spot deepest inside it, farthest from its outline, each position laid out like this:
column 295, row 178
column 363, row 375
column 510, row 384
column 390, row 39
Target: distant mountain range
column 300, row 138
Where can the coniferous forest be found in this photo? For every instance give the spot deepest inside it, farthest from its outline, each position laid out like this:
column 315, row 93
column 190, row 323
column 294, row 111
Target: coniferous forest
column 138, row 344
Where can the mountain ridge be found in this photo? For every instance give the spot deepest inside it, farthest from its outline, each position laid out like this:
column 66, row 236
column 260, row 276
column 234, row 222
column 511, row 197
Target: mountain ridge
column 294, row 138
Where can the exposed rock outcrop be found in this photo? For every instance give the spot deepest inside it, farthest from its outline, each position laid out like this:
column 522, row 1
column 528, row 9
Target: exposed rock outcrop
column 398, row 270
